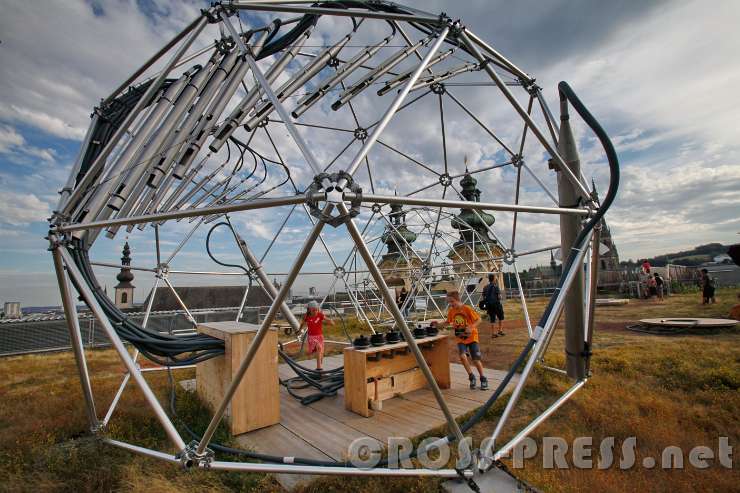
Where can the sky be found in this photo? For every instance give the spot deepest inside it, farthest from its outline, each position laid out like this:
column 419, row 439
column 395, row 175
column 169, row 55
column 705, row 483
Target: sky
column 661, row 77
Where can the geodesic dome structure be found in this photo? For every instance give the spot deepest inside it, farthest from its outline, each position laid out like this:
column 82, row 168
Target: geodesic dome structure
column 344, row 115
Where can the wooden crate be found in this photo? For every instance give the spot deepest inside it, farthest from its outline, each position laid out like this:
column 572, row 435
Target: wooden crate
column 376, row 374
column 256, row 403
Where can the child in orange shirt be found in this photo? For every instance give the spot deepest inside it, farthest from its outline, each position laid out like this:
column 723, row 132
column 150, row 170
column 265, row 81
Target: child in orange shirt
column 464, row 319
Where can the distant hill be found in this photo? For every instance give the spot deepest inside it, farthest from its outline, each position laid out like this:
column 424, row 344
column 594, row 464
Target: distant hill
column 695, row 256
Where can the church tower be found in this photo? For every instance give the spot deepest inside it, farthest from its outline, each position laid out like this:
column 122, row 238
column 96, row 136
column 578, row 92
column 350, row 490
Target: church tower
column 124, row 289
column 398, row 239
column 474, row 249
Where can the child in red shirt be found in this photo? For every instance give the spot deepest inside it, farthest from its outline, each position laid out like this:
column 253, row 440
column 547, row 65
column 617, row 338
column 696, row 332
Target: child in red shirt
column 314, row 320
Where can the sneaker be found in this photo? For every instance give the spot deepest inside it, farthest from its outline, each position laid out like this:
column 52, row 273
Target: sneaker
column 500, row 333
column 471, row 377
column 483, row 383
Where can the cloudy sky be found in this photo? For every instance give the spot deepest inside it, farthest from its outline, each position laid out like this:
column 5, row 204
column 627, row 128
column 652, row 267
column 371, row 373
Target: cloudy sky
column 661, row 77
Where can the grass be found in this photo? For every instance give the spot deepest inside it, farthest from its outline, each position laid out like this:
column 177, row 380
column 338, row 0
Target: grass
column 665, row 390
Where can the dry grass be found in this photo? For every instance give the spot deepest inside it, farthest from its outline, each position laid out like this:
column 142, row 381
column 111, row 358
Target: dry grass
column 681, row 390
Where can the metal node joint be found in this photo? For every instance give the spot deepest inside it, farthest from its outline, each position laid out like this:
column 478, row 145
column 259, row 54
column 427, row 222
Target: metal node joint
column 340, row 272
column 445, row 180
column 437, row 88
column 517, row 160
column 189, row 456
column 360, row 133
column 509, row 257
column 332, row 188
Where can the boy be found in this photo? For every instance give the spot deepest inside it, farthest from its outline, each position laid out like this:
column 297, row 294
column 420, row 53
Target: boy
column 314, row 320
column 464, row 319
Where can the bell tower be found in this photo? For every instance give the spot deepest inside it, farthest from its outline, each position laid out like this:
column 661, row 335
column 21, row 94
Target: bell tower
column 124, row 296
column 472, row 253
column 397, row 263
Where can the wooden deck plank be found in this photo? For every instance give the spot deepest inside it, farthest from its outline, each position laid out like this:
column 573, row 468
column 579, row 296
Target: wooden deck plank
column 328, row 434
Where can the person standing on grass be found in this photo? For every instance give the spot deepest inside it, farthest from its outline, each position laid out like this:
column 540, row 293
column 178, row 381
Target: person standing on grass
column 707, row 288
column 464, row 320
column 314, row 320
column 493, row 305
column 652, row 287
column 659, row 283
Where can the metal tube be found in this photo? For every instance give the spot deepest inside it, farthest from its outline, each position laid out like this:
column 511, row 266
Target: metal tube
column 289, row 125
column 99, row 162
column 193, row 25
column 370, row 141
column 242, row 5
column 69, row 186
column 292, row 85
column 260, row 335
column 330, row 82
column 376, row 73
column 398, row 316
column 500, row 453
column 482, row 125
column 392, row 199
column 522, row 299
column 541, row 335
column 127, row 376
column 559, row 161
column 202, row 211
column 264, row 280
column 251, row 99
column 142, row 451
column 400, row 78
column 95, row 307
column 513, row 68
column 570, row 227
column 75, row 339
column 179, row 300
column 256, row 467
column 211, row 116
column 594, row 278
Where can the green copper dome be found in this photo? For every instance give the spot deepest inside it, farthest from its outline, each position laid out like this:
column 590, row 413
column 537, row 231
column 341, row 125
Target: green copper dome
column 472, row 226
column 397, row 234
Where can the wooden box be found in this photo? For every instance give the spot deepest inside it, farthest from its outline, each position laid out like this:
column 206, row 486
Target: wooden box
column 256, row 403
column 376, row 374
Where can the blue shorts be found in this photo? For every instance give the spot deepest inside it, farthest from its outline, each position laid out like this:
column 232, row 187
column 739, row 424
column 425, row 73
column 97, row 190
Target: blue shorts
column 472, row 350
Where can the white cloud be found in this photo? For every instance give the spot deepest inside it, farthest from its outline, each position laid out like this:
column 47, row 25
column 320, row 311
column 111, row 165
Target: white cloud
column 14, row 146
column 22, row 208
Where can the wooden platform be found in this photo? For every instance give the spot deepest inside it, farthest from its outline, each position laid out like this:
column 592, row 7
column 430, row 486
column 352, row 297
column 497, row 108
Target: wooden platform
column 324, row 429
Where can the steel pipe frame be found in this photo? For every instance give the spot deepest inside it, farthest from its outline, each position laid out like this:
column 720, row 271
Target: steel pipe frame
column 95, row 307
column 260, row 335
column 541, row 335
column 401, row 322
column 333, row 470
column 463, row 204
column 394, row 107
column 242, row 5
column 292, row 130
column 256, row 266
column 202, row 211
column 562, row 166
column 503, row 451
column 407, row 259
column 99, row 162
column 127, row 376
column 75, row 339
column 520, row 284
